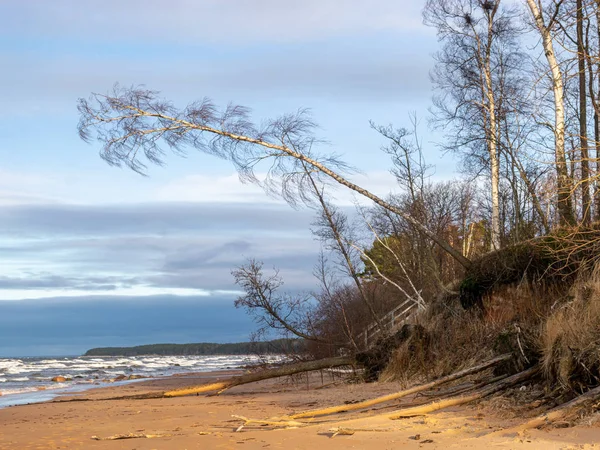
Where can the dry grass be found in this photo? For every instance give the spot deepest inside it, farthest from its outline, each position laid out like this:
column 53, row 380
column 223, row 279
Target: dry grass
column 455, row 339
column 571, row 338
column 557, row 325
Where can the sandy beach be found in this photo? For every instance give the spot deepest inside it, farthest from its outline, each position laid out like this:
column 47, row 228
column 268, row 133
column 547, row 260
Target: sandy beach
column 206, row 422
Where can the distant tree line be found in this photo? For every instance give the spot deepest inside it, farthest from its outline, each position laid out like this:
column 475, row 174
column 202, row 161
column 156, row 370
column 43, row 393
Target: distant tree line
column 277, row 346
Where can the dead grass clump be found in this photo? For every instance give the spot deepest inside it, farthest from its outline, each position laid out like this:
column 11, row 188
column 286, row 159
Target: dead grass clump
column 571, row 338
column 449, row 343
column 454, row 338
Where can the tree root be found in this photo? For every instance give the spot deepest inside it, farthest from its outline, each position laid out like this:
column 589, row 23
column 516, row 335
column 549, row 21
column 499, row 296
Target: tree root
column 400, row 394
column 463, row 399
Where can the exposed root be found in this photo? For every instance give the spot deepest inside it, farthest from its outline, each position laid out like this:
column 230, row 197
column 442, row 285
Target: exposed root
column 400, row 394
column 462, row 399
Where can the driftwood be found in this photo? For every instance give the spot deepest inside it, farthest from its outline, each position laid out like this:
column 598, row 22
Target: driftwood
column 272, row 422
column 282, row 371
column 400, row 394
column 129, row 436
column 462, row 399
column 338, row 431
column 560, row 412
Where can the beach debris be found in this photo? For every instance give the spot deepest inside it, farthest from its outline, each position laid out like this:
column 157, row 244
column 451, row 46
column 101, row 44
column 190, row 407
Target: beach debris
column 272, row 422
column 555, row 414
column 342, row 431
column 463, row 399
column 400, row 394
column 285, row 370
column 115, row 437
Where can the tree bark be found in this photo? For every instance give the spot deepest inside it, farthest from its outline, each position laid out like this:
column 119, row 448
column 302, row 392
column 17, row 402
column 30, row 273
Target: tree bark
column 565, row 188
column 333, row 226
column 492, row 138
column 583, row 138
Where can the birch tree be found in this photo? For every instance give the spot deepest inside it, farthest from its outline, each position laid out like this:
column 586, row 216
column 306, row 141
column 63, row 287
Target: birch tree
column 545, row 27
column 477, row 35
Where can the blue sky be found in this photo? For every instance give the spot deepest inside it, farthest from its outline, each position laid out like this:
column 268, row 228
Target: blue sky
column 90, row 241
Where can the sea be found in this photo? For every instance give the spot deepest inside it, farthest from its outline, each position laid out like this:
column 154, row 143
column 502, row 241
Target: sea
column 29, row 380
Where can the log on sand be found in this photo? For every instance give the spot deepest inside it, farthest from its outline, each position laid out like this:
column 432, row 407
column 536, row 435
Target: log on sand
column 400, row 394
column 285, row 370
column 558, row 413
column 462, row 399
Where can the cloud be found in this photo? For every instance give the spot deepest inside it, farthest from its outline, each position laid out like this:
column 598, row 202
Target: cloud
column 228, row 189
column 142, row 219
column 147, row 249
column 212, row 188
column 196, row 22
column 160, row 246
column 369, row 72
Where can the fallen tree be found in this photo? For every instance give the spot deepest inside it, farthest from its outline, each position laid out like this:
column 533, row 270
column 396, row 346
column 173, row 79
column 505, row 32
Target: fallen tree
column 403, row 393
column 463, row 399
column 220, row 386
column 555, row 414
column 284, row 370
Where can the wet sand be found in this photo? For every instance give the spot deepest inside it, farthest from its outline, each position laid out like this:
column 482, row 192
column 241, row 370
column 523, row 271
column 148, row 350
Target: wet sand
column 202, row 422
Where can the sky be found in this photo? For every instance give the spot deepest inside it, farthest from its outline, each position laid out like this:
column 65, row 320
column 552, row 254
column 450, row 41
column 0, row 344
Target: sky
column 93, row 255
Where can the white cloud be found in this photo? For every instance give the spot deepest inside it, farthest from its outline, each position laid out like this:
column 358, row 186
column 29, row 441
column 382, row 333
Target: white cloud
column 212, row 189
column 229, row 189
column 199, row 21
column 136, row 291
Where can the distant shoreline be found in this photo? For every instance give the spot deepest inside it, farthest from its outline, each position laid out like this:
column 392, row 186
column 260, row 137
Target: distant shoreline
column 277, row 346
